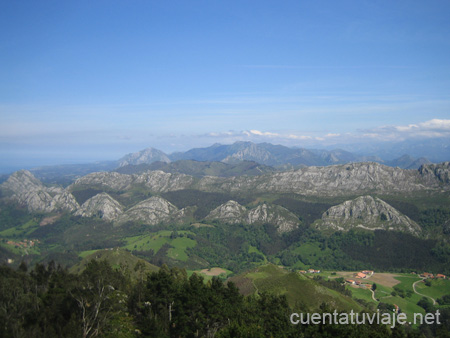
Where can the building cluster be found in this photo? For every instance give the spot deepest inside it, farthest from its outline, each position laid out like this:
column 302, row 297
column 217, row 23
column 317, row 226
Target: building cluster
column 358, row 277
column 309, row 271
column 26, row 243
column 430, row 275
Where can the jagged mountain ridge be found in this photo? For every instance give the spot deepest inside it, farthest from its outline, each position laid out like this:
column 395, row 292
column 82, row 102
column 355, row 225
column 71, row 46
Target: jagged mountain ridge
column 232, row 212
column 265, row 154
column 339, row 180
column 199, row 168
column 368, row 213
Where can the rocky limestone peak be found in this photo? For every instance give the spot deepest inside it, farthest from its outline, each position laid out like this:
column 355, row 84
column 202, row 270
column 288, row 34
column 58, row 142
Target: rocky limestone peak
column 28, row 191
column 249, row 152
column 102, row 205
column 21, row 182
column 148, row 155
column 110, row 180
column 152, row 211
column 368, row 213
column 336, row 180
column 64, row 200
column 280, row 217
column 436, row 172
column 230, row 212
column 160, row 181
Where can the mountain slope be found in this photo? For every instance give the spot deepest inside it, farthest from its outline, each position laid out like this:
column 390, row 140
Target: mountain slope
column 367, row 213
column 200, row 169
column 101, row 205
column 299, row 290
column 266, row 153
column 28, row 191
column 232, row 212
column 147, row 155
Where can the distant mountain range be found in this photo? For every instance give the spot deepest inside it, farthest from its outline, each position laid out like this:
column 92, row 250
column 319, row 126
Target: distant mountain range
column 239, row 158
column 265, row 153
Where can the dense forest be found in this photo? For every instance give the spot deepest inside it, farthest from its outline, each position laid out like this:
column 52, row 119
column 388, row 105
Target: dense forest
column 103, row 301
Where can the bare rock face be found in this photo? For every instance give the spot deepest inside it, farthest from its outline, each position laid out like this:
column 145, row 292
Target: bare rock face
column 64, row 201
column 160, row 181
column 368, row 213
column 336, row 180
column 251, row 152
column 101, row 205
column 28, row 191
column 155, row 181
column 232, row 212
column 148, row 155
column 436, row 173
column 22, row 182
column 108, row 180
column 280, row 217
column 151, row 211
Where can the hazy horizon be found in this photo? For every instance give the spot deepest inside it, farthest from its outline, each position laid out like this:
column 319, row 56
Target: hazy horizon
column 89, row 81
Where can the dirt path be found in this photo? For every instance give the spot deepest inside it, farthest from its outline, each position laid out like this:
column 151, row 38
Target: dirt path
column 414, row 288
column 373, row 295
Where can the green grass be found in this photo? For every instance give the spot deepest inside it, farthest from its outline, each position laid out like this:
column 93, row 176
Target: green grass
column 156, row 240
column 360, row 293
column 86, row 253
column 438, row 288
column 312, row 253
column 407, row 305
column 252, row 249
column 207, row 278
column 20, row 230
column 180, row 245
column 300, row 291
column 118, row 258
column 406, row 282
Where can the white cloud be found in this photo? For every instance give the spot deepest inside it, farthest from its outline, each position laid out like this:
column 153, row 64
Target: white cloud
column 428, row 129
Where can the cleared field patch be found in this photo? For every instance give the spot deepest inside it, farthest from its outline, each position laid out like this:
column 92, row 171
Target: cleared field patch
column 214, row 271
column 180, row 245
column 86, row 253
column 208, row 274
column 310, row 252
column 202, row 225
column 386, row 279
column 20, row 230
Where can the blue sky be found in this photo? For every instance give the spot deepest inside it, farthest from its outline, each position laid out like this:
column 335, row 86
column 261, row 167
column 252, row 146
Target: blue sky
column 92, row 80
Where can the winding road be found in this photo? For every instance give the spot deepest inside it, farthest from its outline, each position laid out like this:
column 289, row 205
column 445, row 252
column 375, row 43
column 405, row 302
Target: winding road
column 414, row 288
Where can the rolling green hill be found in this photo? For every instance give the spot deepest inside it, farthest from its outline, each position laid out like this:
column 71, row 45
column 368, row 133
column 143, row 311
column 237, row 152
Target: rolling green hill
column 302, row 292
column 118, row 259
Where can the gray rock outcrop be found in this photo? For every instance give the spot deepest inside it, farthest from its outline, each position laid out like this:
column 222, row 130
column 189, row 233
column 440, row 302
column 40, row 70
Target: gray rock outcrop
column 367, row 213
column 101, row 205
column 232, row 212
column 152, row 211
column 28, row 191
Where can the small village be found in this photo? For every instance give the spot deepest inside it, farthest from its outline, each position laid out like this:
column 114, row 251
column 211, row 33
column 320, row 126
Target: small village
column 26, row 243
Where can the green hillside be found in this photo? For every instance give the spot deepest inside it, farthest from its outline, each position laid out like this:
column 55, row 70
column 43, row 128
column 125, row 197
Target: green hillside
column 118, row 259
column 301, row 292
